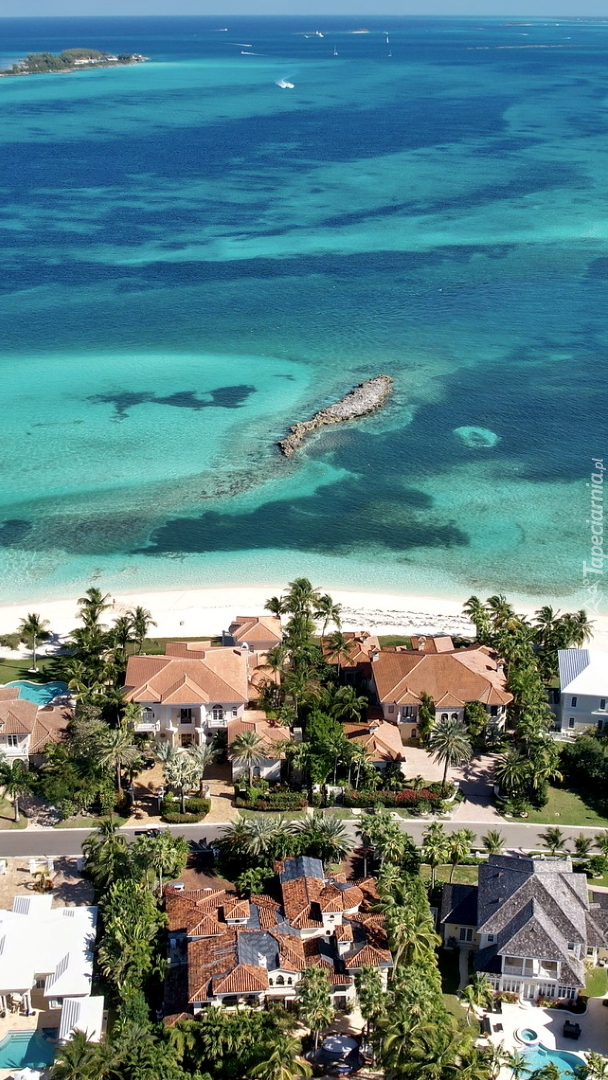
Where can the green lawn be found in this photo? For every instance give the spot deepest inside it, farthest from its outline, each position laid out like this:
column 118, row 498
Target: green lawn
column 7, row 816
column 11, row 670
column 156, row 646
column 566, row 808
column 463, row 875
column 447, row 960
column 391, row 640
column 596, row 983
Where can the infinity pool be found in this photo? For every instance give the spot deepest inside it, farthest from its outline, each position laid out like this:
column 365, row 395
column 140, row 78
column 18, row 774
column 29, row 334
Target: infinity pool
column 23, row 1049
column 40, row 693
column 541, row 1056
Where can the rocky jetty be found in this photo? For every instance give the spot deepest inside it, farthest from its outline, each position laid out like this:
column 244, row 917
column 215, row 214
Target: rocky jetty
column 366, row 398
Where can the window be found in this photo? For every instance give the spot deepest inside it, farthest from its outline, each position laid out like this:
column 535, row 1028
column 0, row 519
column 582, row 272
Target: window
column 454, row 716
column 55, row 1003
column 571, row 722
column 40, row 983
column 414, row 734
column 444, row 716
column 185, row 716
column 566, row 992
column 12, row 740
column 490, row 939
column 570, row 946
column 574, row 701
column 391, row 708
column 280, row 980
column 235, row 712
column 466, row 933
column 493, row 710
column 407, row 712
column 603, row 703
column 217, row 712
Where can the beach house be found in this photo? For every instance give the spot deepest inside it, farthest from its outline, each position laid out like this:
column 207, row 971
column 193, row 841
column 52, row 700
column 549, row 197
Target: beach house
column 46, row 963
column 531, row 922
column 225, row 951
column 583, row 690
column 452, row 677
column 26, row 729
column 257, row 632
column 186, row 698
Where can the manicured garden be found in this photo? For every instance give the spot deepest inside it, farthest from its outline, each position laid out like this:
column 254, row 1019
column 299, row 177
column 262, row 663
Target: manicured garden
column 566, row 807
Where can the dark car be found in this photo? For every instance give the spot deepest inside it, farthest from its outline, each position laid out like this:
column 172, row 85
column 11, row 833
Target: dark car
column 147, row 832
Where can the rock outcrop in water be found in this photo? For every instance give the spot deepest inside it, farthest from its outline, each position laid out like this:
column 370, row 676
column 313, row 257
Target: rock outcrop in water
column 366, row 398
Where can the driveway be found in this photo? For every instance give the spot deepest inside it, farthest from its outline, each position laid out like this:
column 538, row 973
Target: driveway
column 476, row 782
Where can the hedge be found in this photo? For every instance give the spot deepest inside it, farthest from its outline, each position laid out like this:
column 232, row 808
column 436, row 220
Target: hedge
column 281, row 800
column 408, row 799
column 197, row 809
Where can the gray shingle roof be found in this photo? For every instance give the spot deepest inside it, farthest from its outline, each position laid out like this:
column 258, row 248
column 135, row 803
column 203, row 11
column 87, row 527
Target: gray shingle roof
column 302, row 866
column 459, row 905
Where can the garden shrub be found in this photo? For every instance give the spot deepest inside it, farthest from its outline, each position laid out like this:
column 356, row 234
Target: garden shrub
column 279, row 800
column 196, row 810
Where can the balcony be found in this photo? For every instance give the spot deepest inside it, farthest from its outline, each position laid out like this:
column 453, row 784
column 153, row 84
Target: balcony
column 530, row 971
column 146, row 727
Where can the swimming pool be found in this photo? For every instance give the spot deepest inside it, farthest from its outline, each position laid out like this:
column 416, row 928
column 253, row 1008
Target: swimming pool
column 23, row 1049
column 40, row 693
column 541, row 1056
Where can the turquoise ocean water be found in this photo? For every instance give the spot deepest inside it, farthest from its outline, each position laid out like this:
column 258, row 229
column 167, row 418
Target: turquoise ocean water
column 193, row 257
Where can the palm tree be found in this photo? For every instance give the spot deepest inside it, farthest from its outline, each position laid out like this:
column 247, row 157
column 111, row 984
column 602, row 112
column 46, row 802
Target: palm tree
column 359, row 757
column 550, row 1071
column 450, row 745
column 493, row 842
column 324, row 837
column 283, row 1060
column 117, row 750
column 337, row 647
column 348, row 705
column 141, row 621
column 478, row 994
column 329, row 612
column 601, row 843
column 235, row 838
column 80, row 1059
column 435, row 848
column 301, row 598
column 314, row 1001
column 181, row 773
column 426, row 716
column 33, row 629
column 16, row 780
column 107, row 855
column 510, row 770
column 583, row 845
column 249, row 751
column 370, row 995
column 202, row 756
column 164, row 854
column 92, row 605
column 477, row 612
column 553, row 839
column 595, row 1068
column 518, row 1064
column 275, row 605
column 459, row 848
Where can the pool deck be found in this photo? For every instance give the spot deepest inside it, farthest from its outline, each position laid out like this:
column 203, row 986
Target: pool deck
column 549, row 1023
column 16, row 1022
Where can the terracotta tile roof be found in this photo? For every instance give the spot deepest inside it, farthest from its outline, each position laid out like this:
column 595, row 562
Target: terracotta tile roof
column 253, row 720
column 248, row 628
column 236, row 909
column 9, row 693
column 189, row 650
column 370, row 892
column 362, row 645
column 451, row 679
column 218, row 675
column 243, row 979
column 381, row 739
column 196, row 911
column 21, row 717
column 208, row 957
column 344, row 932
column 291, row 951
column 267, row 911
column 367, row 955
column 442, row 643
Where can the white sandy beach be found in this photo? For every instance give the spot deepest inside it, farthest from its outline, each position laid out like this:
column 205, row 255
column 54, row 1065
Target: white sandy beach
column 206, row 612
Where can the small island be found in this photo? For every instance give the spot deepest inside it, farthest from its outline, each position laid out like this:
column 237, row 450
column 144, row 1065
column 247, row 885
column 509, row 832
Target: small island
column 366, row 398
column 70, row 60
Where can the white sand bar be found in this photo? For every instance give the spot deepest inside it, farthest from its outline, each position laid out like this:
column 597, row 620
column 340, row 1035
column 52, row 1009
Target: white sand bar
column 204, row 612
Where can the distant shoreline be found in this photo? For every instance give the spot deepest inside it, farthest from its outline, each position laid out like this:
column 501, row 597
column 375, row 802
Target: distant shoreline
column 70, row 60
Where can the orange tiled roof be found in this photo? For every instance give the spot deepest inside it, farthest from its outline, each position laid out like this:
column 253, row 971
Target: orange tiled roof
column 258, row 722
column 247, row 628
column 217, row 675
column 21, row 717
column 243, row 979
column 440, row 644
column 208, row 957
column 9, row 693
column 367, row 956
column 451, row 678
column 381, row 739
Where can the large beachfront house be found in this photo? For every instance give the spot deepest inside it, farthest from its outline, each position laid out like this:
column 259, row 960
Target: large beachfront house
column 46, row 963
column 230, row 952
column 193, row 692
column 452, row 677
column 583, row 690
column 532, row 925
column 26, row 729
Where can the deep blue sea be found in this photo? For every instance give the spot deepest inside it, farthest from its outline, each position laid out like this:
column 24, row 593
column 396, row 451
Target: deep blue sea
column 193, row 257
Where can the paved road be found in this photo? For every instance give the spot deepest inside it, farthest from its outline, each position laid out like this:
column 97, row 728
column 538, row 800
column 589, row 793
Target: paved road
column 69, row 841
